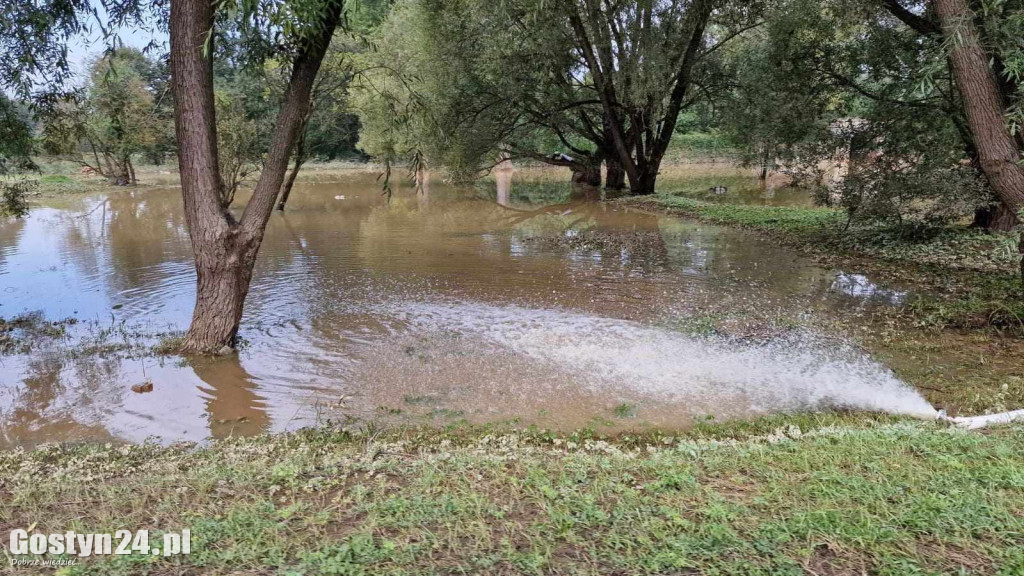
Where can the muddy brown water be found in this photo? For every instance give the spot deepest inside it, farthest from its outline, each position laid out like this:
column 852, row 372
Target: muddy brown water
column 509, row 302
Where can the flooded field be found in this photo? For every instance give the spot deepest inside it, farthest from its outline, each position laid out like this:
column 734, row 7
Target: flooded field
column 516, row 300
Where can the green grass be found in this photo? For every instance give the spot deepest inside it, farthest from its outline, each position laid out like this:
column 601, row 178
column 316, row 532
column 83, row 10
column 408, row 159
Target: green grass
column 799, row 221
column 808, row 494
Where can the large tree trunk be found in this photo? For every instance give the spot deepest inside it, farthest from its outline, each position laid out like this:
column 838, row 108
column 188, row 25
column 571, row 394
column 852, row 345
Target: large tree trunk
column 615, row 175
column 1002, row 217
column 642, row 147
column 998, row 218
column 998, row 153
column 225, row 249
column 224, row 270
column 645, row 184
column 588, row 174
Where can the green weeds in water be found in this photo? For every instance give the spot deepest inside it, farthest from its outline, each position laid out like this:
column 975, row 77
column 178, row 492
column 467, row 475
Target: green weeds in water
column 421, row 400
column 625, row 410
column 169, row 345
column 704, row 325
column 446, row 413
column 968, row 281
column 25, row 332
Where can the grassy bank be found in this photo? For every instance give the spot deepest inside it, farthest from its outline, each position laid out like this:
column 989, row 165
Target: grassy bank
column 62, row 178
column 825, row 494
column 966, row 277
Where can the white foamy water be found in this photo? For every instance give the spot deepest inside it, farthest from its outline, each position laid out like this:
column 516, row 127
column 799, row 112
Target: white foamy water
column 792, row 373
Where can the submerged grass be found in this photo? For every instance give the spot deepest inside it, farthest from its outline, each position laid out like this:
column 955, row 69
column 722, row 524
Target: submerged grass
column 965, row 278
column 956, row 247
column 804, row 494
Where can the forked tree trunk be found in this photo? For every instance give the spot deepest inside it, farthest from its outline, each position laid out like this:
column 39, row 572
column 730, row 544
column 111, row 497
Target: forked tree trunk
column 225, row 249
column 213, row 231
column 289, row 183
column 641, row 158
column 998, row 153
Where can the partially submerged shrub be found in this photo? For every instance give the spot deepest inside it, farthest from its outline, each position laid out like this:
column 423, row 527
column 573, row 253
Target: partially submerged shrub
column 13, row 197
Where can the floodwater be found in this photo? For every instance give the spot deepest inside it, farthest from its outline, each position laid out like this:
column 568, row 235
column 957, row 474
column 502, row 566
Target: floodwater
column 507, row 302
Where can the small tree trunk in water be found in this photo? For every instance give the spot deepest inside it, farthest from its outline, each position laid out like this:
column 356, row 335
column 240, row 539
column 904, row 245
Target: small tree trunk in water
column 286, row 188
column 615, row 178
column 998, row 153
column 300, row 159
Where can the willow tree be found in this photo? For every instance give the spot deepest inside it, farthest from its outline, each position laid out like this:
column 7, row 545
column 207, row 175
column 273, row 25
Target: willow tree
column 295, row 32
column 115, row 118
column 597, row 81
column 641, row 57
column 989, row 85
column 16, row 144
column 225, row 247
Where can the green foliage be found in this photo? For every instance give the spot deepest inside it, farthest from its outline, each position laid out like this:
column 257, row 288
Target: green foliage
column 423, row 92
column 33, row 37
column 774, row 114
column 710, row 142
column 782, row 218
column 245, row 120
column 847, row 97
column 16, row 138
column 13, row 195
column 469, row 82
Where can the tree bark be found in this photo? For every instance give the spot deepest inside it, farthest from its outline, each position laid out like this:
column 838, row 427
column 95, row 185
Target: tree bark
column 615, row 176
column 997, row 218
column 646, row 184
column 300, row 159
column 220, row 290
column 1002, row 217
column 225, row 249
column 588, row 174
column 998, row 153
column 289, row 183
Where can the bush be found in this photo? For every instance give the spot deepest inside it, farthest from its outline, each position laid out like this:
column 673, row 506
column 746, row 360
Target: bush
column 13, row 196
